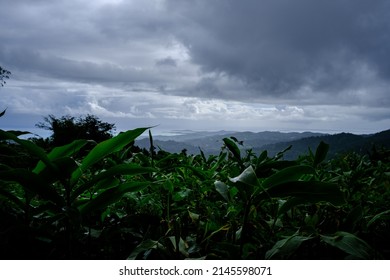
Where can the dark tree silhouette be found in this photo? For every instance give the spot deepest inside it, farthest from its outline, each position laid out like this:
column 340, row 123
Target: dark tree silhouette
column 4, row 74
column 67, row 129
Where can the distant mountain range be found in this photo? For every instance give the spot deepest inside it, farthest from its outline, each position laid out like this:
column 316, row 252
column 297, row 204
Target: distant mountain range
column 273, row 142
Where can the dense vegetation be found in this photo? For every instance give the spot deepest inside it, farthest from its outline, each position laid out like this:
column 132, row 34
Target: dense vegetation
column 113, row 201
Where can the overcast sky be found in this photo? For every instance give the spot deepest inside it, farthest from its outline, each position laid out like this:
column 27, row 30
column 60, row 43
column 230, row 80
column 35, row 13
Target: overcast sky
column 202, row 65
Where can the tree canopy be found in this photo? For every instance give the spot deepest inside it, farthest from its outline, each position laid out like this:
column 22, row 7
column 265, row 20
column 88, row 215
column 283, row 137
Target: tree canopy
column 67, row 128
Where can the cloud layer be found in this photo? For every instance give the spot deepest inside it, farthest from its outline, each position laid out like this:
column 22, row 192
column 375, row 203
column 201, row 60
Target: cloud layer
column 252, row 64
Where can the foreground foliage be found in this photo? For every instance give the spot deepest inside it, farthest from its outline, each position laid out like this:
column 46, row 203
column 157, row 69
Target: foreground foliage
column 114, row 203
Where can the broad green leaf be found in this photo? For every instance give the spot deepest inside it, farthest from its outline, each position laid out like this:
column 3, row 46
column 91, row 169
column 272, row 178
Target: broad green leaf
column 221, row 158
column 120, row 169
column 222, row 189
column 105, row 148
column 247, row 177
column 64, row 168
column 60, row 152
column 246, row 182
column 310, row 191
column 349, row 243
column 145, row 246
column 264, row 169
column 29, row 146
column 168, row 158
column 111, row 196
column 183, row 246
column 382, row 215
column 18, row 132
column 321, row 152
column 168, row 185
column 233, row 191
column 233, row 148
column 194, row 217
column 201, row 174
column 288, row 174
column 33, row 183
column 263, row 156
column 12, row 198
column 105, row 184
column 180, row 195
column 290, row 203
column 284, row 248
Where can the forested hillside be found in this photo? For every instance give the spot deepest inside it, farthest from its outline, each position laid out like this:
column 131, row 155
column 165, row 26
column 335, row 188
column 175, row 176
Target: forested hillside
column 272, row 142
column 339, row 144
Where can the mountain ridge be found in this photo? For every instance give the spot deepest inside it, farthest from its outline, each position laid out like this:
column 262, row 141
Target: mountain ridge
column 272, row 141
column 338, row 144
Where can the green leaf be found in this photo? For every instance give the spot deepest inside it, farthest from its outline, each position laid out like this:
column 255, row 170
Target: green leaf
column 60, row 152
column 2, row 113
column 233, row 148
column 284, row 248
column 349, row 243
column 281, row 154
column 145, row 246
column 247, row 177
column 222, row 189
column 194, row 217
column 263, row 156
column 12, row 198
column 168, row 185
column 33, row 183
column 123, row 169
column 105, row 184
column 310, row 191
column 29, row 146
column 246, row 182
column 181, row 195
column 120, row 169
column 111, row 196
column 288, row 174
column 105, row 148
column 151, row 149
column 18, row 132
column 290, row 203
column 321, row 152
column 202, row 155
column 182, row 246
column 264, row 169
column 382, row 215
column 221, row 159
column 64, row 168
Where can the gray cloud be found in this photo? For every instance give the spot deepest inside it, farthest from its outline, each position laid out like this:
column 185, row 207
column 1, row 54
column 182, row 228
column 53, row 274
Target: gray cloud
column 302, row 62
column 282, row 47
column 168, row 61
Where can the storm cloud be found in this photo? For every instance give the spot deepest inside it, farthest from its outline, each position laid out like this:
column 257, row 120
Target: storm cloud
column 288, row 48
column 255, row 64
